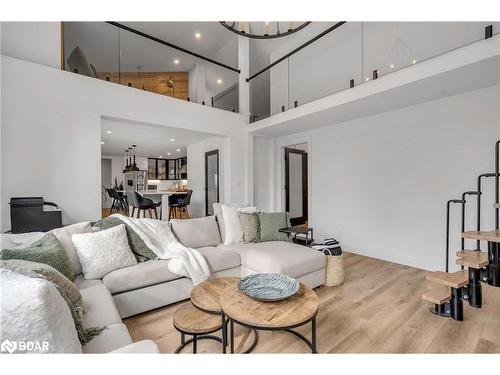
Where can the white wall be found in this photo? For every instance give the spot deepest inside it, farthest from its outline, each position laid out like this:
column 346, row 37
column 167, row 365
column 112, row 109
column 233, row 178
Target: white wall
column 380, row 184
column 263, row 173
column 51, row 134
column 38, row 42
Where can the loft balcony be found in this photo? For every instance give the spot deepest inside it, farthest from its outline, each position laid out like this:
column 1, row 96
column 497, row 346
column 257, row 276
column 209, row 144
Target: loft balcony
column 120, row 54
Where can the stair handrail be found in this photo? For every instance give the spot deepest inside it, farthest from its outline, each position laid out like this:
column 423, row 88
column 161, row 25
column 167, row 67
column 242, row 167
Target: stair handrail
column 448, row 229
column 464, row 195
column 497, row 182
column 478, row 219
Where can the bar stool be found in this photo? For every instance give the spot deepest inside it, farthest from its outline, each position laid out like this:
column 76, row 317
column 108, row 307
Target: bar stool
column 136, row 200
column 119, row 201
column 181, row 205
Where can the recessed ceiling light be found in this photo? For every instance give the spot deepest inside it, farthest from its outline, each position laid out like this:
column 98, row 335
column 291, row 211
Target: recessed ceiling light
column 169, row 153
column 176, row 61
column 109, row 132
column 392, row 66
column 197, row 35
column 414, row 61
column 160, row 156
column 367, row 78
column 171, row 139
column 102, row 142
column 178, row 150
column 219, row 81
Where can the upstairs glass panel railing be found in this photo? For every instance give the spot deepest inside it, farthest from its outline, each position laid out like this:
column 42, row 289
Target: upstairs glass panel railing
column 105, row 51
column 354, row 54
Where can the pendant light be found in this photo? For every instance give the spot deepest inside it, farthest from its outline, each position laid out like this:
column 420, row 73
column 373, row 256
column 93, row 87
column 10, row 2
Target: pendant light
column 134, row 167
column 126, row 162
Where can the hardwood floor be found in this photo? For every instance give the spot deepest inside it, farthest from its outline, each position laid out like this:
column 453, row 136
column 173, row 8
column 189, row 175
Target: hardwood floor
column 378, row 309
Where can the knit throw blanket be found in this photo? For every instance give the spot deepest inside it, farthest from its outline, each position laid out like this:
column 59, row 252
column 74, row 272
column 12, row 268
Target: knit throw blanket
column 160, row 239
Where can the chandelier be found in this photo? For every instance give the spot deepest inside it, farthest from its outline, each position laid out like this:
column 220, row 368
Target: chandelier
column 269, row 30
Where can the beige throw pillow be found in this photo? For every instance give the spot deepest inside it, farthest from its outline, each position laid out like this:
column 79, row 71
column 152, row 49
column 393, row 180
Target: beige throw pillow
column 64, row 236
column 249, row 223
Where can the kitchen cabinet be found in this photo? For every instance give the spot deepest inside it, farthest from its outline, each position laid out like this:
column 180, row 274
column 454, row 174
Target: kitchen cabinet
column 167, row 169
column 152, row 169
column 161, row 167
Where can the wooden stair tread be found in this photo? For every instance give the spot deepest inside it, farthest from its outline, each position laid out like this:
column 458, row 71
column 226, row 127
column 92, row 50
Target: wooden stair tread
column 491, row 236
column 455, row 279
column 476, row 260
column 461, row 253
column 437, row 295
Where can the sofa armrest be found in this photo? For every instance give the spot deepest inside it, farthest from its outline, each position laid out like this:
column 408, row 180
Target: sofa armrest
column 139, row 347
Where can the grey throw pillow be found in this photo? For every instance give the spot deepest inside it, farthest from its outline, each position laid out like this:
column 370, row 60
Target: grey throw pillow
column 249, row 227
column 269, row 225
column 141, row 252
column 25, row 267
column 47, row 250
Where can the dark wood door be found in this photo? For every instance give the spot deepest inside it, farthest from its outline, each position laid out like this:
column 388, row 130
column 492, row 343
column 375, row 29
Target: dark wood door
column 296, row 185
column 211, row 180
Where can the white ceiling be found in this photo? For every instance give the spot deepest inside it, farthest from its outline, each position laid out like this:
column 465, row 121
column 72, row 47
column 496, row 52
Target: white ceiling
column 151, row 140
column 214, row 37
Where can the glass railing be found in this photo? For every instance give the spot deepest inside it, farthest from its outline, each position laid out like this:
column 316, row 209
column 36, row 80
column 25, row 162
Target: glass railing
column 354, row 54
column 105, row 51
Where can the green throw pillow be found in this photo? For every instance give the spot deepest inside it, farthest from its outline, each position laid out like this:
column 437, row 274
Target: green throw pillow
column 47, row 250
column 141, row 252
column 269, row 225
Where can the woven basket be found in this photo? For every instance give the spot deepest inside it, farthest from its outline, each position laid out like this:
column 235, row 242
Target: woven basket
column 334, row 270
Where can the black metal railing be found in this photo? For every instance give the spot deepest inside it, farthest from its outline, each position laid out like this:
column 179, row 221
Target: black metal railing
column 478, row 193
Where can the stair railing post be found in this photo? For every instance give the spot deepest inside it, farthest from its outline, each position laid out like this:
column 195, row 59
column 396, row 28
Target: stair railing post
column 497, row 183
column 464, row 216
column 448, row 229
column 479, row 190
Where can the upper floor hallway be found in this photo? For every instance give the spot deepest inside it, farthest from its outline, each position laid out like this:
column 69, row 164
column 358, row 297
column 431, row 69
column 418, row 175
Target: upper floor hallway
column 274, row 83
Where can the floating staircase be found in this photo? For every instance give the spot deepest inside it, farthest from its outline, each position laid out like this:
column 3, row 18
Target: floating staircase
column 448, row 290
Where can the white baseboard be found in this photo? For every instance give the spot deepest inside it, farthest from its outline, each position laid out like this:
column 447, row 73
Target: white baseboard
column 403, row 259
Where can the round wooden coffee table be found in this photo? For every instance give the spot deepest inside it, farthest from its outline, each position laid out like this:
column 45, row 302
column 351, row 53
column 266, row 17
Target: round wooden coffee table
column 285, row 315
column 206, row 296
column 189, row 320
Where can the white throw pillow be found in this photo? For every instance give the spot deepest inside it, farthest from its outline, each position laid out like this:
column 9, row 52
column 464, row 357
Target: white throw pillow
column 64, row 236
column 32, row 310
column 232, row 225
column 220, row 219
column 104, row 251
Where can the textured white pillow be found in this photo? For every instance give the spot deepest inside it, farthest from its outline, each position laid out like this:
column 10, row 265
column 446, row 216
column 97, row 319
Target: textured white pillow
column 220, row 219
column 104, row 251
column 232, row 225
column 32, row 310
column 64, row 236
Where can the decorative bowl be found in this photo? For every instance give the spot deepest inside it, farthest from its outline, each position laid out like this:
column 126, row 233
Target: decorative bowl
column 268, row 286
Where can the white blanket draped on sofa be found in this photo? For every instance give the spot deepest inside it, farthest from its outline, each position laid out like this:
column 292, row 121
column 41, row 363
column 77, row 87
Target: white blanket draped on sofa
column 158, row 236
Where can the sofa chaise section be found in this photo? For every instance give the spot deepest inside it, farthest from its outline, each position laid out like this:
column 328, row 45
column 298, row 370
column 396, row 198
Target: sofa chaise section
column 303, row 263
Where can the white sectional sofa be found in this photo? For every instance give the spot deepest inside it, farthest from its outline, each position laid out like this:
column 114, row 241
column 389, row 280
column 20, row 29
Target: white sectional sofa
column 148, row 285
